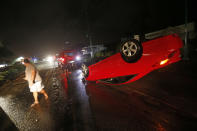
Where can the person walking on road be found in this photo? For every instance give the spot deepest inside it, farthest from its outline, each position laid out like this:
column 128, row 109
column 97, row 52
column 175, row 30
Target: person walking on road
column 34, row 81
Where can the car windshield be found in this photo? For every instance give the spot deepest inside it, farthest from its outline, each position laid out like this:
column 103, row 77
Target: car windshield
column 68, row 53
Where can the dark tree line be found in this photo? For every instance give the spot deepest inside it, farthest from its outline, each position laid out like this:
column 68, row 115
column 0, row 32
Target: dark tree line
column 5, row 53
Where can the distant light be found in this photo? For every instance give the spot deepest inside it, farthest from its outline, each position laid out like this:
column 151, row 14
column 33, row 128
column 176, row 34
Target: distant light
column 3, row 65
column 61, row 59
column 164, row 61
column 78, row 58
column 19, row 59
column 35, row 60
column 50, row 59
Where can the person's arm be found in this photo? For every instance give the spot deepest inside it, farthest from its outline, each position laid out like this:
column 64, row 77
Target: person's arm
column 25, row 78
column 33, row 75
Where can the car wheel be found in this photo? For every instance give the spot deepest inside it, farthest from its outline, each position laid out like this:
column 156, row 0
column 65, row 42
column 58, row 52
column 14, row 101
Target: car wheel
column 131, row 50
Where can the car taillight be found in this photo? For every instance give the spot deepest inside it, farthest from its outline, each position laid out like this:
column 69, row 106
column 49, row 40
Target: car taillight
column 62, row 59
column 164, row 61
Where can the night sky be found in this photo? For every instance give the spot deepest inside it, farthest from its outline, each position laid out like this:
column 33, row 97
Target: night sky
column 42, row 27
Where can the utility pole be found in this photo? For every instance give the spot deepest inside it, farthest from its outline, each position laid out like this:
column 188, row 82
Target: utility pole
column 88, row 29
column 89, row 36
column 186, row 51
column 90, row 40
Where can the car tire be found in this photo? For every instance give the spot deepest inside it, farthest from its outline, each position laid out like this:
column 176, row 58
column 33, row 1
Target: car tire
column 131, row 50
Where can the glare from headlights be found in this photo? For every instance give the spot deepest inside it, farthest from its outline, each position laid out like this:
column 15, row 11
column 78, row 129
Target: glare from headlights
column 3, row 65
column 78, row 58
column 50, row 59
column 19, row 59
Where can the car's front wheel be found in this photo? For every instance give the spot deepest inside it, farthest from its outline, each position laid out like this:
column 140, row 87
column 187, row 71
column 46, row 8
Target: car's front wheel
column 131, row 50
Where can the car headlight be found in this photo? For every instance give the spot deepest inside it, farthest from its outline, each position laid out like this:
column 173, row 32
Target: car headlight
column 78, row 58
column 50, row 59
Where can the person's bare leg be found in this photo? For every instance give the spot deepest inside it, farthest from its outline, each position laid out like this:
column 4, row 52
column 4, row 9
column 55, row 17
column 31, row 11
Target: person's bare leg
column 44, row 93
column 35, row 95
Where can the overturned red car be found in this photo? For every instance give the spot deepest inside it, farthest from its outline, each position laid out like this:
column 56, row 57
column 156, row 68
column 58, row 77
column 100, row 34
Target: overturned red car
column 135, row 60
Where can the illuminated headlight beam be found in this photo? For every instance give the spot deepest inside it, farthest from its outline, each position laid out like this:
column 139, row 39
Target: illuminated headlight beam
column 50, row 59
column 78, row 58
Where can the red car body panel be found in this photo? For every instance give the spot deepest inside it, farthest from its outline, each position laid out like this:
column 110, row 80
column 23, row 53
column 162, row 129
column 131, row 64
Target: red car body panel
column 154, row 51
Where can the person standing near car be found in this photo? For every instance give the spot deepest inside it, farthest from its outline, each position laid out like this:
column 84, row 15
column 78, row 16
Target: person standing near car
column 34, row 81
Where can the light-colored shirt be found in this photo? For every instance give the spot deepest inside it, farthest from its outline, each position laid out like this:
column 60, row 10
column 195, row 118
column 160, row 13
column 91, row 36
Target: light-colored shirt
column 28, row 74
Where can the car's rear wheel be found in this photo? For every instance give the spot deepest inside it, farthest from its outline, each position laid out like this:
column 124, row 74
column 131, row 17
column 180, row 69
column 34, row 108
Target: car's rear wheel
column 131, row 50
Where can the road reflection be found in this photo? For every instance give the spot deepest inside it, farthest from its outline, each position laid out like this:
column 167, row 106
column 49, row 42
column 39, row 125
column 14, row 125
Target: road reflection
column 16, row 99
column 82, row 113
column 116, row 110
column 160, row 127
column 64, row 77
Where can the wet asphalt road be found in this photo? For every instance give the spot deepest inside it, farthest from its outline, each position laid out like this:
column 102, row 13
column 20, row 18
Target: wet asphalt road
column 50, row 115
column 164, row 100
